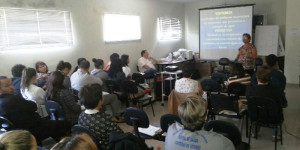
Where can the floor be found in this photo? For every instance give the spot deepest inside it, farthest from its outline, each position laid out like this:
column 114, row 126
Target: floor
column 264, row 141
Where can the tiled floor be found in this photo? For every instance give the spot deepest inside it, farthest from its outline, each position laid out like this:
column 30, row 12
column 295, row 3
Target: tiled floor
column 264, row 141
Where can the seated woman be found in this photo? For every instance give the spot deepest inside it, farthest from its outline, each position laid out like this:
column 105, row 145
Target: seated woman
column 42, row 73
column 32, row 92
column 115, row 72
column 65, row 68
column 18, row 140
column 57, row 92
column 112, row 57
column 94, row 117
column 77, row 142
column 98, row 71
column 187, row 84
column 192, row 113
column 125, row 68
column 238, row 74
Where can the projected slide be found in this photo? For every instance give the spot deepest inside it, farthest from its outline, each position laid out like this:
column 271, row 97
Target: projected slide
column 221, row 29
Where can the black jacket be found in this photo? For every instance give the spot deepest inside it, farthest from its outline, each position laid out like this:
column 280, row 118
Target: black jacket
column 22, row 113
column 126, row 141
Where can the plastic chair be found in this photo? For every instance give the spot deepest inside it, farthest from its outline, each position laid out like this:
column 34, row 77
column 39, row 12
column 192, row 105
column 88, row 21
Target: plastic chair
column 78, row 129
column 6, row 125
column 237, row 89
column 137, row 118
column 258, row 62
column 168, row 119
column 228, row 130
column 224, row 62
column 210, row 86
column 54, row 110
column 265, row 112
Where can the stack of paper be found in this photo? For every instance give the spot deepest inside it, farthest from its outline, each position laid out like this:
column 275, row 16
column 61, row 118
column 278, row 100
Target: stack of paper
column 151, row 130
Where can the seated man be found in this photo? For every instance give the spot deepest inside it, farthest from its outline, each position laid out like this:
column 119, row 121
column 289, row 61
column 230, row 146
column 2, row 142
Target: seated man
column 81, row 77
column 145, row 64
column 22, row 114
column 192, row 113
column 94, row 118
column 278, row 78
column 16, row 71
column 264, row 88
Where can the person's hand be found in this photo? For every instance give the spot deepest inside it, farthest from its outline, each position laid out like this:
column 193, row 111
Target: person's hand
column 45, row 76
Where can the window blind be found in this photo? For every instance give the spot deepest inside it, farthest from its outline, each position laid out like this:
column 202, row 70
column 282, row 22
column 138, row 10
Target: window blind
column 31, row 28
column 169, row 29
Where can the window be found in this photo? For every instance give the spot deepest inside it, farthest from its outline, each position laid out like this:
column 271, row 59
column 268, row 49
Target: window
column 121, row 28
column 31, row 28
column 169, row 29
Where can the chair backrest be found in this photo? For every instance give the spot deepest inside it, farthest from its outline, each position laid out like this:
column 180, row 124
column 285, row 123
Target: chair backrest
column 210, row 85
column 219, row 77
column 265, row 110
column 237, row 88
column 136, row 118
column 224, row 61
column 54, row 110
column 137, row 68
column 167, row 120
column 6, row 124
column 258, row 62
column 78, row 129
column 224, row 102
column 111, row 85
column 138, row 78
column 227, row 129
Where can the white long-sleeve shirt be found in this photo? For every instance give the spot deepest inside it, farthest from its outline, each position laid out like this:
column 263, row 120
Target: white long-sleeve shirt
column 81, row 78
column 37, row 95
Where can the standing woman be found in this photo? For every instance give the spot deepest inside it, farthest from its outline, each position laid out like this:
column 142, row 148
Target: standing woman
column 58, row 93
column 65, row 68
column 32, row 92
column 247, row 55
column 125, row 62
column 42, row 73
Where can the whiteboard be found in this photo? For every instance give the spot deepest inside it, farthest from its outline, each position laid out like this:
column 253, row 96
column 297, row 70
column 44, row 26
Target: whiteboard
column 266, row 40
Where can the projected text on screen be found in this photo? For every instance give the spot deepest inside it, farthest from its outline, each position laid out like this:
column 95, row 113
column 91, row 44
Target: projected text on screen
column 222, row 29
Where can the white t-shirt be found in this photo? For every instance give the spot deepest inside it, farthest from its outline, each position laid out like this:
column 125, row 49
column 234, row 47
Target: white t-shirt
column 127, row 71
column 142, row 62
column 179, row 138
column 186, row 85
column 81, row 78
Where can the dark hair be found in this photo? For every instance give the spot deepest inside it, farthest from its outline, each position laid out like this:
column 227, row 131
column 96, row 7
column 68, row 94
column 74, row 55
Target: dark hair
column 27, row 75
column 271, row 60
column 62, row 65
column 114, row 56
column 38, row 64
column 124, row 59
column 54, row 83
column 143, row 52
column 248, row 36
column 16, row 70
column 237, row 70
column 85, row 64
column 115, row 67
column 188, row 70
column 98, row 62
column 90, row 95
column 78, row 62
column 264, row 74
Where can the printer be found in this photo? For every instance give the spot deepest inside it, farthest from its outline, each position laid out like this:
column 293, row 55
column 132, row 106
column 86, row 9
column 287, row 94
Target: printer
column 187, row 54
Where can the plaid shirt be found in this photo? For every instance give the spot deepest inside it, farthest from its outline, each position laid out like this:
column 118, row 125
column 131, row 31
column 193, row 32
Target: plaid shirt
column 68, row 103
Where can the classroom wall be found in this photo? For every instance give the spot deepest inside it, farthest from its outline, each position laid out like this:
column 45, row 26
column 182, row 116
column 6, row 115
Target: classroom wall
column 87, row 27
column 292, row 48
column 274, row 9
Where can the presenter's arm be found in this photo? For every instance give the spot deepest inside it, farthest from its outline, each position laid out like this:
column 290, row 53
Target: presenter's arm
column 155, row 60
column 253, row 53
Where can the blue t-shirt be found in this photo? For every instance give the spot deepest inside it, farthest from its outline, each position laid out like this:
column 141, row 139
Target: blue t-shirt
column 17, row 85
column 179, row 138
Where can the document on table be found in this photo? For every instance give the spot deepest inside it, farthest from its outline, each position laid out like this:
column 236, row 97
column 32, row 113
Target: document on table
column 151, row 130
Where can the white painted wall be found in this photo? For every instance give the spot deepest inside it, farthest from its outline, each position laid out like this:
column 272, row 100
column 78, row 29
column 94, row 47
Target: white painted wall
column 292, row 57
column 87, row 25
column 274, row 9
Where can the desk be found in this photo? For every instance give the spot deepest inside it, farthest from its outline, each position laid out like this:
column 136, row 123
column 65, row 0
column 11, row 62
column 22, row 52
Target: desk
column 160, row 66
column 162, row 82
